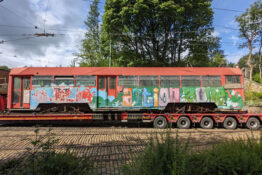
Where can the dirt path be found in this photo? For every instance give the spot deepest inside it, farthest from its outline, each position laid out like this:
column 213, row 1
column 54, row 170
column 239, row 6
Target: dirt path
column 110, row 147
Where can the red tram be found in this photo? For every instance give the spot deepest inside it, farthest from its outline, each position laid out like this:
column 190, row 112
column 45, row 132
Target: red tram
column 162, row 95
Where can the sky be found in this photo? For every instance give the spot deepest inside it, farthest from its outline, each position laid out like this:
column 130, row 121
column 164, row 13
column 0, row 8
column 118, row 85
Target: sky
column 21, row 19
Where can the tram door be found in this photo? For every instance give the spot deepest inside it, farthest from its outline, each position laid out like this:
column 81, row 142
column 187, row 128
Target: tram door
column 106, row 91
column 21, row 92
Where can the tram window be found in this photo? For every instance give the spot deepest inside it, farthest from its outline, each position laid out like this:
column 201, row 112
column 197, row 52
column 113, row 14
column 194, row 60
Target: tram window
column 41, row 81
column 169, row 81
column 146, row 81
column 112, row 83
column 128, row 81
column 16, row 83
column 190, row 80
column 16, row 96
column 232, row 79
column 101, row 83
column 86, row 81
column 64, row 81
column 211, row 81
column 26, row 83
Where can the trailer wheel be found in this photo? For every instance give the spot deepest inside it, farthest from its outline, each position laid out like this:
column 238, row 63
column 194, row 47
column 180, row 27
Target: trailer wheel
column 183, row 123
column 230, row 123
column 160, row 122
column 206, row 123
column 253, row 123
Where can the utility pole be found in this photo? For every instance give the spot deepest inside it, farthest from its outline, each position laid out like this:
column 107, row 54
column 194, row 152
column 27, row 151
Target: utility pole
column 110, row 59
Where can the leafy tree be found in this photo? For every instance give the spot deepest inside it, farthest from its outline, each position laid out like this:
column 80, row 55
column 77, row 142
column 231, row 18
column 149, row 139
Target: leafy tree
column 250, row 27
column 255, row 61
column 219, row 60
column 4, row 68
column 90, row 54
column 158, row 32
column 260, row 54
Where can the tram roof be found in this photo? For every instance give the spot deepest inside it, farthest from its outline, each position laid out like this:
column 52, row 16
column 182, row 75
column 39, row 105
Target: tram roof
column 69, row 71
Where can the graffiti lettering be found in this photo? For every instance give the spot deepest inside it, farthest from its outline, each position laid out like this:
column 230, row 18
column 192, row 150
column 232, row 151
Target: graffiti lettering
column 127, row 97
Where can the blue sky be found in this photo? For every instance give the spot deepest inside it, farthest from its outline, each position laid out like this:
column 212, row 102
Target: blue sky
column 65, row 18
column 224, row 21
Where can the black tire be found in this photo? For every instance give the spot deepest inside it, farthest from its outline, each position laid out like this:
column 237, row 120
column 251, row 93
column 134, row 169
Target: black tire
column 253, row 123
column 183, row 123
column 160, row 122
column 206, row 123
column 230, row 123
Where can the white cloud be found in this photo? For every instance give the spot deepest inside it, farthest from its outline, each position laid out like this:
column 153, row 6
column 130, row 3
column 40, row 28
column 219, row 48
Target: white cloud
column 235, row 56
column 63, row 18
column 234, row 39
column 215, row 33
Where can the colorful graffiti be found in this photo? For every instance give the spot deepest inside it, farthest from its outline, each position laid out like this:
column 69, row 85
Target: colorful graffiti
column 149, row 97
column 62, row 95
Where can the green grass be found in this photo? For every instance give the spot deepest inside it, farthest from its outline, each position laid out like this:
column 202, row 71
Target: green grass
column 253, row 98
column 42, row 159
column 171, row 157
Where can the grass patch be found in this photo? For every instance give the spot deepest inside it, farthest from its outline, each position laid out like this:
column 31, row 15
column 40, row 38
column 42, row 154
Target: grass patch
column 42, row 159
column 253, row 98
column 171, row 157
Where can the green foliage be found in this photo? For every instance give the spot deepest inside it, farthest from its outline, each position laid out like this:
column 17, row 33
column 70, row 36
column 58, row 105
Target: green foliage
column 163, row 156
column 232, row 157
column 170, row 157
column 250, row 29
column 253, row 98
column 157, row 33
column 90, row 54
column 256, row 78
column 4, row 68
column 44, row 160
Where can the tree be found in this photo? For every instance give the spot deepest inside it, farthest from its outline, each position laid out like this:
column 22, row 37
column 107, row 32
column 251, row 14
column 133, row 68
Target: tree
column 260, row 54
column 157, row 33
column 242, row 63
column 90, row 54
column 3, row 67
column 250, row 26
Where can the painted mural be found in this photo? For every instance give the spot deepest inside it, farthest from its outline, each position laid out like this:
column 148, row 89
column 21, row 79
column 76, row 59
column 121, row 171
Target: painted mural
column 63, row 95
column 149, row 97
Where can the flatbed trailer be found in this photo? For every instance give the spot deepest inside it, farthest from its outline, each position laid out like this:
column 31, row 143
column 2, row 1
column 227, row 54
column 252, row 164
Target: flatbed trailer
column 159, row 120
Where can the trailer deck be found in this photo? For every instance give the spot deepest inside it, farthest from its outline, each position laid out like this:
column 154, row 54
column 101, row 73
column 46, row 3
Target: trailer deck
column 159, row 120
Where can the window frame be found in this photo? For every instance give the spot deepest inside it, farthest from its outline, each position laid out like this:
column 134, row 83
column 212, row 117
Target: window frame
column 91, row 76
column 47, row 76
column 202, row 77
column 226, row 81
column 181, row 81
column 136, row 79
column 155, row 76
column 61, row 76
column 164, row 76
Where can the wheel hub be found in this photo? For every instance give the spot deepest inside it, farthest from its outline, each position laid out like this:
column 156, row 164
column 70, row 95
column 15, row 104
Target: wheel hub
column 160, row 122
column 206, row 123
column 229, row 123
column 252, row 123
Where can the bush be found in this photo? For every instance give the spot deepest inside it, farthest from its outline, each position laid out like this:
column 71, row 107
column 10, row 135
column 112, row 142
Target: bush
column 161, row 157
column 170, row 157
column 232, row 157
column 256, row 78
column 42, row 159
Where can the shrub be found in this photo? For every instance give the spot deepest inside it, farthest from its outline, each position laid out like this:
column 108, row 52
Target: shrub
column 170, row 157
column 161, row 157
column 256, row 78
column 42, row 159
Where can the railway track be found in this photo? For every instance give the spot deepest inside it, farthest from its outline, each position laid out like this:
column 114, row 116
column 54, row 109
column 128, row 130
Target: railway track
column 109, row 147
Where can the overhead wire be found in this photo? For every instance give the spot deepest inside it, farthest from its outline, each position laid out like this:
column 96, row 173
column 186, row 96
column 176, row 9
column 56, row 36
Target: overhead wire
column 35, row 26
